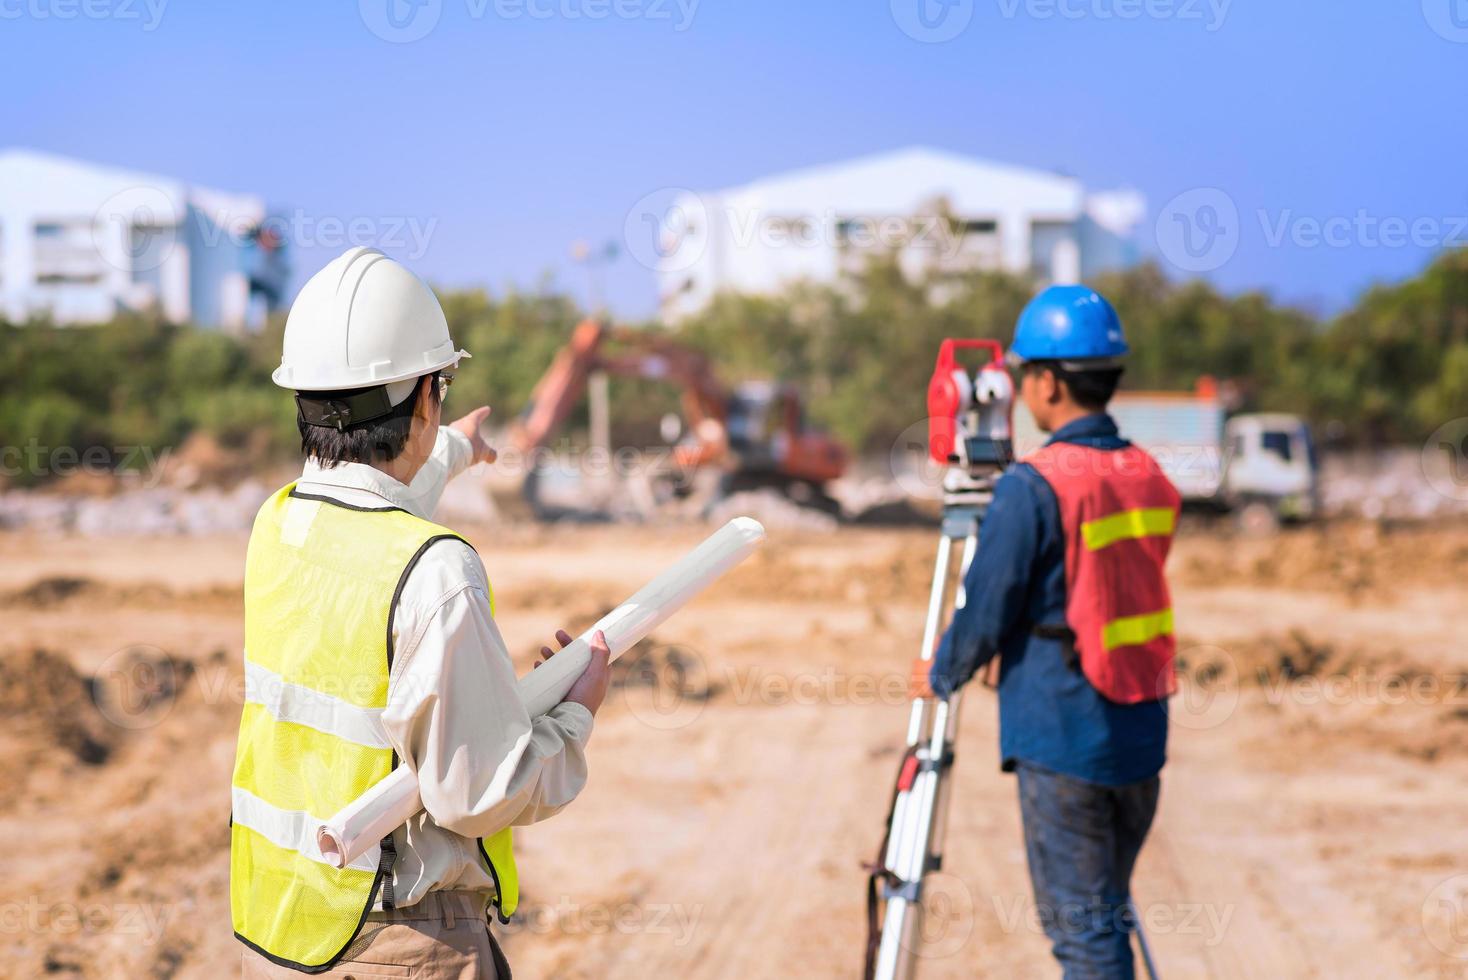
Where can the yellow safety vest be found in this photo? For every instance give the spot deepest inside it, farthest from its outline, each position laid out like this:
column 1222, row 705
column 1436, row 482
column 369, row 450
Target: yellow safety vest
column 321, row 586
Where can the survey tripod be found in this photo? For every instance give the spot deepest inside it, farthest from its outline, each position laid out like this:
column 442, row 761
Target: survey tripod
column 912, row 846
column 970, row 437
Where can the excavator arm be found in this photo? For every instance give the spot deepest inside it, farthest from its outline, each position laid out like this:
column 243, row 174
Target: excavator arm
column 596, row 346
column 802, row 456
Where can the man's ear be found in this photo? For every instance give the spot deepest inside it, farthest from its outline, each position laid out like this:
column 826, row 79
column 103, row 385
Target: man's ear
column 1049, row 386
column 426, row 394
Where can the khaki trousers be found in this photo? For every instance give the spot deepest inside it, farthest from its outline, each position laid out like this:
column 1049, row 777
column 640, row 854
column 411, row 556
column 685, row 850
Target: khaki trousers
column 443, row 937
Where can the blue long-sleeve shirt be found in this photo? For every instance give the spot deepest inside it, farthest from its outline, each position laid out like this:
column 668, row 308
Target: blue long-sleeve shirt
column 1049, row 714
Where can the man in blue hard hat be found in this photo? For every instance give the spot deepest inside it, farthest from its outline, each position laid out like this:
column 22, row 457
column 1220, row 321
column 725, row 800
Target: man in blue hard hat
column 1067, row 590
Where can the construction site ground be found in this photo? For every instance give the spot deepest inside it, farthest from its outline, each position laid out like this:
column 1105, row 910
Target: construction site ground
column 1311, row 821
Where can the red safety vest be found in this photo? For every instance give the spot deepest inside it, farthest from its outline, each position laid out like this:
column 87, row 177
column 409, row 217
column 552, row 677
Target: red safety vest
column 1118, row 511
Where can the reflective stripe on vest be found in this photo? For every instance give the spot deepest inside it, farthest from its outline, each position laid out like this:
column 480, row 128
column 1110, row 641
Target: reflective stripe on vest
column 1118, row 512
column 321, row 582
column 1128, row 525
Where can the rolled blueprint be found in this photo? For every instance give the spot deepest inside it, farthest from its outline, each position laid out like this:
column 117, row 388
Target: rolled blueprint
column 394, row 800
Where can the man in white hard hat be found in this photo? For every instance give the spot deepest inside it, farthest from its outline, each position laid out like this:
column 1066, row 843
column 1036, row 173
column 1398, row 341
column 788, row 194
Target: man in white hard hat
column 370, row 642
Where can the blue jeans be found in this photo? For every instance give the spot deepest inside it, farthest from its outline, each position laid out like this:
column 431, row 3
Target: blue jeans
column 1082, row 841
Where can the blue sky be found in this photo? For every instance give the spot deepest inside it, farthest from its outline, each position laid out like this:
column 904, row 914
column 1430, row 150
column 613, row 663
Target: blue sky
column 515, row 127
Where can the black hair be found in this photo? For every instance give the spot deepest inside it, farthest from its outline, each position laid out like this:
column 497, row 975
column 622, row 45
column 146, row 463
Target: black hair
column 378, row 440
column 1090, row 388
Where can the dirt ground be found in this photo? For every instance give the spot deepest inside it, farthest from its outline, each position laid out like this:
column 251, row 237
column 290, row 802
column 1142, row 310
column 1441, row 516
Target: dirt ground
column 1311, row 822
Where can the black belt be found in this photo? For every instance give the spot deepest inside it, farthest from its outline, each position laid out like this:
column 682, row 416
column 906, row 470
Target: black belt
column 1066, row 636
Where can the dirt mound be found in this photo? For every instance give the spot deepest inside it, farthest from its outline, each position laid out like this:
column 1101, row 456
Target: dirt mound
column 904, row 573
column 775, row 511
column 59, row 591
column 654, row 666
column 1361, row 559
column 48, row 705
column 1337, row 699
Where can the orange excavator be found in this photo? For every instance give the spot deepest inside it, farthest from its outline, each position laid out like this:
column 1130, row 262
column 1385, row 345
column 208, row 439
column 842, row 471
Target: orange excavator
column 755, row 434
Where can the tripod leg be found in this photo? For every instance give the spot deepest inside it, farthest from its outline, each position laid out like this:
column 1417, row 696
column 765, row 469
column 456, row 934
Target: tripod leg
column 1147, row 962
column 919, row 808
column 943, row 748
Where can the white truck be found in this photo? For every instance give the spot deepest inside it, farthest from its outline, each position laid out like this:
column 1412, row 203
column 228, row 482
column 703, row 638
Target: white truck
column 1262, row 465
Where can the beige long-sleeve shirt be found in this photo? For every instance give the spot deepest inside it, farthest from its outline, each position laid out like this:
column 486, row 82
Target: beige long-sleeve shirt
column 452, row 713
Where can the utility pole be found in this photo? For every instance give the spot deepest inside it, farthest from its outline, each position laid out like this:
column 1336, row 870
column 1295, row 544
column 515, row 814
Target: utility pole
column 598, row 386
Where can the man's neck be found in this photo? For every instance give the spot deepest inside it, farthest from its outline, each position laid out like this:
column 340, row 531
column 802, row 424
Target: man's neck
column 399, row 469
column 1066, row 414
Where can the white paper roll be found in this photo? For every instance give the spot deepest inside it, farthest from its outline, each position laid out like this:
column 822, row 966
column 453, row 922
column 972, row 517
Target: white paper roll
column 394, row 800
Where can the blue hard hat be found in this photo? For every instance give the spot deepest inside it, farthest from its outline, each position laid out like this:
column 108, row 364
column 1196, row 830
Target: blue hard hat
column 1068, row 323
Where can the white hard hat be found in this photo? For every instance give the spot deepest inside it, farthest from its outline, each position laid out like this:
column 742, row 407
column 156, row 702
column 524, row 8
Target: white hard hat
column 364, row 321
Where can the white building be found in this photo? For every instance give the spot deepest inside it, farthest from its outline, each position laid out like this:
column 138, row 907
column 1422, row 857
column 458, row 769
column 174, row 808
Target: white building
column 936, row 211
column 80, row 243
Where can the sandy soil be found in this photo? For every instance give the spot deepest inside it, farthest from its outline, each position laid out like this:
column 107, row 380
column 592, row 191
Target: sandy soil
column 1311, row 822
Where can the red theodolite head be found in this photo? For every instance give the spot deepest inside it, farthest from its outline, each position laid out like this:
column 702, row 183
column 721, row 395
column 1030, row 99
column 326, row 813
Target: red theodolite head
column 950, row 393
